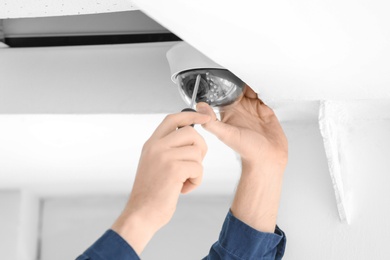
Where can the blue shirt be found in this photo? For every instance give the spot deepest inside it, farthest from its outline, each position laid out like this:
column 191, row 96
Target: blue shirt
column 237, row 241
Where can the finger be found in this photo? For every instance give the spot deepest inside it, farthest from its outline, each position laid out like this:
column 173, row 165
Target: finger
column 204, row 108
column 225, row 132
column 188, row 186
column 186, row 153
column 173, row 121
column 249, row 93
column 186, row 136
column 194, row 176
column 265, row 112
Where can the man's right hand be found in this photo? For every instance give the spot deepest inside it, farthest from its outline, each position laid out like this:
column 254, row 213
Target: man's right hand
column 252, row 129
column 170, row 164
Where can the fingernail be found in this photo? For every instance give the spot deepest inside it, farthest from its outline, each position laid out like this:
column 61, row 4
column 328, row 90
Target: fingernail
column 202, row 110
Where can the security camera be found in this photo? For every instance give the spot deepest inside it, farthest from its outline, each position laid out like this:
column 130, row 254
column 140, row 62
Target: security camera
column 218, row 86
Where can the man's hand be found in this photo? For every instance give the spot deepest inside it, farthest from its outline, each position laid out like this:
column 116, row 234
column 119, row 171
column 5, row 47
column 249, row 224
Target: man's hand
column 251, row 129
column 170, row 164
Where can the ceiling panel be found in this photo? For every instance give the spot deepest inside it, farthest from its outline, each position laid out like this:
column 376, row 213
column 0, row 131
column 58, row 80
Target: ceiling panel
column 44, row 8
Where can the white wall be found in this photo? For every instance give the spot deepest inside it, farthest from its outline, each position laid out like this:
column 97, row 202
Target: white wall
column 308, row 211
column 72, row 225
column 19, row 222
column 9, row 204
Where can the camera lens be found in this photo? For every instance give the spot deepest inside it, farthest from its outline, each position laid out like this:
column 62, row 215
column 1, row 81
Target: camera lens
column 189, row 85
column 217, row 87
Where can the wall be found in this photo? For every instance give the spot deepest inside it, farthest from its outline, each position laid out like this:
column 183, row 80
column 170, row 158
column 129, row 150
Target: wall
column 9, row 204
column 19, row 225
column 71, row 225
column 308, row 212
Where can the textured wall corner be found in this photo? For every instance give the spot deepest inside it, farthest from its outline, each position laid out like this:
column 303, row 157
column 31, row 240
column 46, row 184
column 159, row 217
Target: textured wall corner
column 331, row 117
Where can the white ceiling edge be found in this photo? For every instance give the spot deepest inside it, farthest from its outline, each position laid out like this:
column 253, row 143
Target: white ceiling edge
column 330, row 116
column 71, row 154
column 289, row 50
column 46, row 8
column 88, row 154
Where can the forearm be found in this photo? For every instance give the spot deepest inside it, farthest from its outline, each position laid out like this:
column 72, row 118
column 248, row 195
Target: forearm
column 256, row 201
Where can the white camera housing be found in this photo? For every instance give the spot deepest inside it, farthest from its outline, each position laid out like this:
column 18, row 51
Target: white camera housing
column 183, row 57
column 218, row 87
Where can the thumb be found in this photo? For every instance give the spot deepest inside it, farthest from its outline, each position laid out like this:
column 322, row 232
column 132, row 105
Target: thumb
column 225, row 132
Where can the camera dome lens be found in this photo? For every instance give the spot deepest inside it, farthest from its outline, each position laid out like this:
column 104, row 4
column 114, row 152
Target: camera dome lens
column 189, row 85
column 217, row 87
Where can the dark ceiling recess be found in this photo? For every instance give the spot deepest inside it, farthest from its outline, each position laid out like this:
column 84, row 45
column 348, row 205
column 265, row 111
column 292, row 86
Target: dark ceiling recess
column 89, row 40
column 92, row 29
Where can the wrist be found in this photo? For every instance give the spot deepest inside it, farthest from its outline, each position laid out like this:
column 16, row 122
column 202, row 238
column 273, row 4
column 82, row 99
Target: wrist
column 265, row 170
column 257, row 197
column 135, row 229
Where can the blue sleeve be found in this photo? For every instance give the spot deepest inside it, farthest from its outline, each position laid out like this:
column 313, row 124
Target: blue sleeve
column 238, row 241
column 109, row 246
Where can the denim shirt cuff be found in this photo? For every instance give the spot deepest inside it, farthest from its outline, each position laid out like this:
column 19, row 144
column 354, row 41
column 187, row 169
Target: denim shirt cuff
column 110, row 246
column 245, row 242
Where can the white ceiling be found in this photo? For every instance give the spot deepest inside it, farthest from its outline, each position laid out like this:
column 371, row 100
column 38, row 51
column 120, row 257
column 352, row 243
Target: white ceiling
column 45, row 8
column 301, row 50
